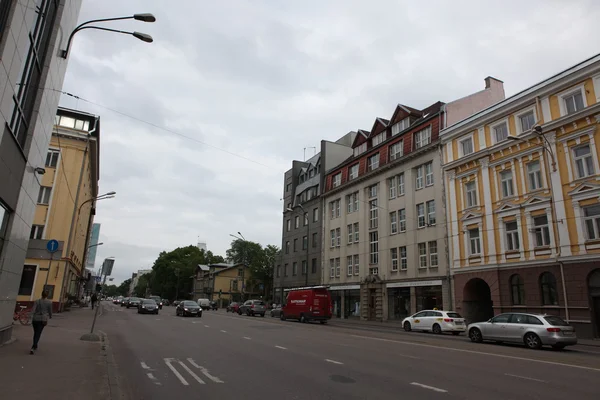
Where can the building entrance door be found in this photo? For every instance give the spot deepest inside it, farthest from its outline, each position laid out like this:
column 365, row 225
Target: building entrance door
column 594, row 291
column 372, row 303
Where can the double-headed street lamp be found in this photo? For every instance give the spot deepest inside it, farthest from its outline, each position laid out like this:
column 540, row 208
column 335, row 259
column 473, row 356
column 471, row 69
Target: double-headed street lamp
column 146, row 17
column 307, row 221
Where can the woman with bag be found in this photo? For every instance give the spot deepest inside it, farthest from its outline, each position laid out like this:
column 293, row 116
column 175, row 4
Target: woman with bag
column 41, row 312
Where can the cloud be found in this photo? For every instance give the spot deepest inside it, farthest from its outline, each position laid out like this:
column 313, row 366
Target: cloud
column 264, row 80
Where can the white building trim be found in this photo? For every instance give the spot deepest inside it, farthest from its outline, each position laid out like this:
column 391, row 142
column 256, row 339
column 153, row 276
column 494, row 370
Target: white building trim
column 453, row 222
column 573, row 89
column 546, row 113
column 487, row 204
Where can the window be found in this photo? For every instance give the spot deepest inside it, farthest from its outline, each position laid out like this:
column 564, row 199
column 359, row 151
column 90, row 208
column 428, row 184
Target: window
column 377, row 139
column 474, row 242
column 295, row 269
column 573, row 102
column 400, row 126
column 360, row 149
column 584, row 163
column 431, row 212
column 393, row 187
column 288, row 187
column 373, row 162
column 373, row 214
column 394, row 258
column 315, row 240
column 350, row 234
column 36, row 231
column 403, row 259
column 592, row 221
column 44, row 195
column 52, row 158
column 421, row 215
column 334, row 208
column 396, row 150
column 400, row 178
column 315, row 214
column 374, row 247
column 372, row 191
column 356, row 266
column 337, row 267
column 27, row 279
column 466, row 146
column 332, row 267
column 471, row 194
column 337, row 179
column 356, row 232
column 527, row 121
column 297, row 222
column 422, row 138
column 285, row 273
column 393, row 222
column 512, row 236
column 333, row 241
column 289, row 225
column 287, row 247
column 352, row 202
column 353, row 172
column 295, row 245
column 338, row 236
column 541, row 230
column 304, row 267
column 304, row 242
column 422, row 255
column 402, row 219
column 535, row 175
column 4, row 215
column 349, row 265
column 517, row 290
column 278, row 273
column 433, row 254
column 419, row 177
column 506, row 182
column 501, row 132
column 548, row 289
column 429, row 174
column 313, row 268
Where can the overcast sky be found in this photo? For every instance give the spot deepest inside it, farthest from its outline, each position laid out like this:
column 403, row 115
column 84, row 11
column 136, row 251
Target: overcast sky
column 262, row 80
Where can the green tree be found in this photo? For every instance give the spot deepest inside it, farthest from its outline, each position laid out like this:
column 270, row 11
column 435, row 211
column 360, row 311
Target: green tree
column 123, row 288
column 260, row 261
column 110, row 290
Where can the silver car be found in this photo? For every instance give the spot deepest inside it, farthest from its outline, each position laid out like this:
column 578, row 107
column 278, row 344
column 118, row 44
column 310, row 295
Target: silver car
column 533, row 330
column 253, row 307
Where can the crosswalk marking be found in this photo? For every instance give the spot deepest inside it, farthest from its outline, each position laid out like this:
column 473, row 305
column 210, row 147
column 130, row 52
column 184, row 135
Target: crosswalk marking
column 205, row 371
column 174, row 364
column 189, row 371
column 168, row 361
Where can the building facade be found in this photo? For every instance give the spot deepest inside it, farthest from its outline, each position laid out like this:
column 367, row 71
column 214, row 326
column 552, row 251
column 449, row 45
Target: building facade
column 27, row 64
column 135, row 278
column 385, row 244
column 523, row 202
column 300, row 261
column 63, row 210
column 225, row 283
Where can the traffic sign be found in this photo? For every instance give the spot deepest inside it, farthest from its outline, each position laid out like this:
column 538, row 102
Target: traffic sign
column 98, row 279
column 52, row 246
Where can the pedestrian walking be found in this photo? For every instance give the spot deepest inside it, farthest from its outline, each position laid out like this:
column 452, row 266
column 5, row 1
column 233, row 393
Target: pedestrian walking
column 41, row 312
column 94, row 300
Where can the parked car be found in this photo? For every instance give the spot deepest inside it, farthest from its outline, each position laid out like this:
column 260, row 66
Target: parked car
column 188, row 308
column 204, row 303
column 118, row 300
column 233, row 307
column 310, row 304
column 133, row 302
column 436, row 321
column 158, row 301
column 214, row 305
column 148, row 306
column 533, row 330
column 124, row 302
column 252, row 308
column 276, row 312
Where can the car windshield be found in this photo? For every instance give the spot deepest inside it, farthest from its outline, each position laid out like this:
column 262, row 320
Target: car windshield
column 555, row 321
column 189, row 304
column 149, row 302
column 134, row 299
column 454, row 315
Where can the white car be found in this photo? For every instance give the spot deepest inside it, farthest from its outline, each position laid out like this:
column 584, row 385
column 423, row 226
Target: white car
column 435, row 321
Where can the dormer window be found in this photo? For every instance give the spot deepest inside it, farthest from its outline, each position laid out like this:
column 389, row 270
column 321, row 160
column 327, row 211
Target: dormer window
column 360, row 149
column 337, row 179
column 377, row 139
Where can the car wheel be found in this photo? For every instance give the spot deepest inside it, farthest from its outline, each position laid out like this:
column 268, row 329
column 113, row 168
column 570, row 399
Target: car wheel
column 272, row 314
column 558, row 346
column 262, row 315
column 532, row 341
column 475, row 335
column 437, row 329
column 282, row 316
column 407, row 326
column 139, row 312
column 323, row 322
column 156, row 313
column 302, row 318
column 248, row 312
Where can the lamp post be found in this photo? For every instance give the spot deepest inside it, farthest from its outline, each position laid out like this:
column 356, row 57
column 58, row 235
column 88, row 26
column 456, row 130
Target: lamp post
column 107, row 267
column 307, row 220
column 243, row 239
column 139, row 17
column 547, row 146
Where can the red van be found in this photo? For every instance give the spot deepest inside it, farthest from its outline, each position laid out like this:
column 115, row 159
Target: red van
column 307, row 304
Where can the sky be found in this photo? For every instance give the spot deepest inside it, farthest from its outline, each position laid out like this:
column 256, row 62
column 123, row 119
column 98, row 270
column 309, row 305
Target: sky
column 199, row 126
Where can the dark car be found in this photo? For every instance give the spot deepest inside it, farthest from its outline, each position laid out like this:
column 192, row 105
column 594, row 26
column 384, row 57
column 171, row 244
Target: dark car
column 124, row 302
column 188, row 308
column 214, row 305
column 233, row 307
column 157, row 300
column 253, row 307
column 133, row 302
column 148, row 306
column 276, row 312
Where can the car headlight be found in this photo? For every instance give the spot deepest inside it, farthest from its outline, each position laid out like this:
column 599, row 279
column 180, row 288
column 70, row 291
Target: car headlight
column 185, row 309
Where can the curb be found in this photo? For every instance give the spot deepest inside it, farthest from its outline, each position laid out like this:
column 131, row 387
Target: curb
column 9, row 342
column 114, row 388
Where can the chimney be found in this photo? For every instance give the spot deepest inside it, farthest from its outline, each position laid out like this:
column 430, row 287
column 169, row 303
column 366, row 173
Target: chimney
column 490, row 80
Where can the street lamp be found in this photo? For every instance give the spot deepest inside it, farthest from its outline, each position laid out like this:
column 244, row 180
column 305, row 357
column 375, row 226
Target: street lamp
column 146, row 17
column 107, row 266
column 307, row 220
column 243, row 239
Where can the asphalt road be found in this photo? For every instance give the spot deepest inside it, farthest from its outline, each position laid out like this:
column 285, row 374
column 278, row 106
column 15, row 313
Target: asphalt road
column 226, row 356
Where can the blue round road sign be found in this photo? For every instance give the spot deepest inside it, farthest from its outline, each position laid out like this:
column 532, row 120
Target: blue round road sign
column 52, row 245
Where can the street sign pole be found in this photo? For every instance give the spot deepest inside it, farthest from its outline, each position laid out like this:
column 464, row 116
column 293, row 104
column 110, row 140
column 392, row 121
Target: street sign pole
column 49, row 269
column 107, row 266
column 52, row 247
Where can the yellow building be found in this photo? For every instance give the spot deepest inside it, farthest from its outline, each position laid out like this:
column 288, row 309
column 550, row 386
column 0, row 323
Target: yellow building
column 65, row 208
column 224, row 283
column 523, row 202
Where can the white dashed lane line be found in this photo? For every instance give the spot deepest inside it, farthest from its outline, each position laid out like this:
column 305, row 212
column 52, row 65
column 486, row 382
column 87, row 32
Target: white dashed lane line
column 281, row 347
column 223, row 331
column 333, row 361
column 246, row 337
column 526, row 378
column 429, row 387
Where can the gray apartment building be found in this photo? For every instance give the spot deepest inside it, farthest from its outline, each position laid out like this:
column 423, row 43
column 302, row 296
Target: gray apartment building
column 385, row 248
column 301, row 244
column 31, row 36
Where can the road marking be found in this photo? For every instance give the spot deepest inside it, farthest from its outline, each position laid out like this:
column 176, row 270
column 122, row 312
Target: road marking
column 189, row 371
column 144, row 365
column 246, row 337
column 168, row 361
column 280, row 347
column 429, row 387
column 479, row 352
column 333, row 361
column 223, row 331
column 204, row 371
column 206, row 326
column 525, row 377
column 153, row 379
column 158, row 319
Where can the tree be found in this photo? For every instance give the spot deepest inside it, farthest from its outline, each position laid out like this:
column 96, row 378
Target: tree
column 260, row 260
column 123, row 288
column 110, row 290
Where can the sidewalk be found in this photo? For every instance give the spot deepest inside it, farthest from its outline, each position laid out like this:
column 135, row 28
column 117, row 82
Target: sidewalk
column 64, row 367
column 397, row 326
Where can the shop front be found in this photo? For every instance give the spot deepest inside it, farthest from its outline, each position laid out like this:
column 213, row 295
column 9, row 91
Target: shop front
column 408, row 297
column 398, row 303
column 345, row 301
